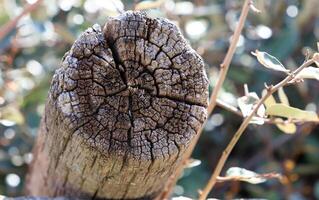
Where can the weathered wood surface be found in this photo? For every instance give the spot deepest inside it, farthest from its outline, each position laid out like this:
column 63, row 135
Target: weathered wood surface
column 37, row 198
column 122, row 107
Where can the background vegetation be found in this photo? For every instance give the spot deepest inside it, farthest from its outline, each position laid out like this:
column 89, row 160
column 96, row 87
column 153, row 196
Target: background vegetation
column 287, row 29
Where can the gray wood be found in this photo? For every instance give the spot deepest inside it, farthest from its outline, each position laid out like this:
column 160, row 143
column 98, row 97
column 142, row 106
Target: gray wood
column 122, row 107
column 38, row 198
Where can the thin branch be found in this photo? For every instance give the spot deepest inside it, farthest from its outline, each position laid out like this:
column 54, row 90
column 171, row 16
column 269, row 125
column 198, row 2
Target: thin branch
column 242, row 128
column 228, row 107
column 6, row 29
column 213, row 99
column 229, row 56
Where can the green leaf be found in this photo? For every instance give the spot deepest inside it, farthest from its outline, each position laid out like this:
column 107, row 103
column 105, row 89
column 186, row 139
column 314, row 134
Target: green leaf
column 269, row 61
column 282, row 96
column 309, row 73
column 283, row 110
column 242, row 174
column 288, row 128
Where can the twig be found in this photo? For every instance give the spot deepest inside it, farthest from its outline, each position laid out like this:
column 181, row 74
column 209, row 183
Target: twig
column 213, row 99
column 6, row 29
column 228, row 107
column 242, row 128
column 230, row 53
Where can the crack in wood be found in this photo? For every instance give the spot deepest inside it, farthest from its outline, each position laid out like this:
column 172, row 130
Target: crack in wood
column 121, row 110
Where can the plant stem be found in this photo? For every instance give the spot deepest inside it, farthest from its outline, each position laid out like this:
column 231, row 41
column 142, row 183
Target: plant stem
column 243, row 126
column 229, row 56
column 228, row 107
column 213, row 99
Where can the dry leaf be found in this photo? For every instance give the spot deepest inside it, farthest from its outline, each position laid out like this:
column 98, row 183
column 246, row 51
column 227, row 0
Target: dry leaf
column 308, row 73
column 269, row 61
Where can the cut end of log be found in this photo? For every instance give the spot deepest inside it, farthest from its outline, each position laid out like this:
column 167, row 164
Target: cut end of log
column 136, row 87
column 122, row 108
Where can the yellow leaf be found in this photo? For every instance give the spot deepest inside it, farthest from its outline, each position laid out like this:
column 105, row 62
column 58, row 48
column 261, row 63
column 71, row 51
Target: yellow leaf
column 283, row 110
column 289, row 128
column 270, row 100
column 145, row 5
column 282, row 96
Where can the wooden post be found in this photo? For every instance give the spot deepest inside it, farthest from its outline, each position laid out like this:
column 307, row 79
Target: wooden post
column 122, row 107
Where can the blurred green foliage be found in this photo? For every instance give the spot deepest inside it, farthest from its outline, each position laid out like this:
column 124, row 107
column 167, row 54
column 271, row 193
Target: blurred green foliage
column 287, row 29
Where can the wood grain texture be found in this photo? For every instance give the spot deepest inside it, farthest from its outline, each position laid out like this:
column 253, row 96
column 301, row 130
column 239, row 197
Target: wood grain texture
column 122, row 107
column 37, row 198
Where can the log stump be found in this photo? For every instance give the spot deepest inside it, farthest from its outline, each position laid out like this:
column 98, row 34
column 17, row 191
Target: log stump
column 122, row 108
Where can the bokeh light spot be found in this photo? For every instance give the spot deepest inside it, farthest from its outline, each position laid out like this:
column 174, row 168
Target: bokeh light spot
column 292, row 11
column 13, row 180
column 34, row 67
column 264, row 32
column 78, row 19
column 9, row 133
column 196, row 28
